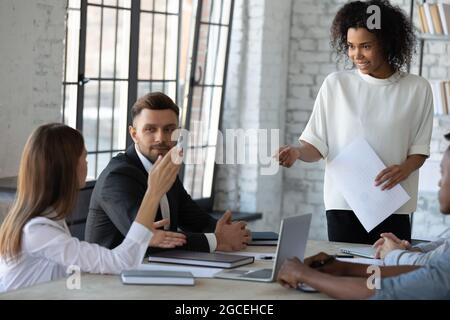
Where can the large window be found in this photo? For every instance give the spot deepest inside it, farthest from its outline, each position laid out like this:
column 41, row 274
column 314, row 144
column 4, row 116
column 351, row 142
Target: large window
column 118, row 50
column 205, row 98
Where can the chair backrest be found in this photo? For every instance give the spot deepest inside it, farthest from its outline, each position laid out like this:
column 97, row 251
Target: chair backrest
column 77, row 220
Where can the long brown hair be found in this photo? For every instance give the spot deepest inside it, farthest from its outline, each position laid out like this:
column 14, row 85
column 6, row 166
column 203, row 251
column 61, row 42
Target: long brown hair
column 47, row 178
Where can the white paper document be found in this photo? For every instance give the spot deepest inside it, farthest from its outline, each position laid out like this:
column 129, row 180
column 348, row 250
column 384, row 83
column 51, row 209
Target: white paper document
column 197, row 272
column 354, row 171
column 371, row 262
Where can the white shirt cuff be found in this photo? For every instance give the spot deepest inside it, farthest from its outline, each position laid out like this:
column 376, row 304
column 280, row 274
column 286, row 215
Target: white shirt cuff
column 139, row 233
column 212, row 241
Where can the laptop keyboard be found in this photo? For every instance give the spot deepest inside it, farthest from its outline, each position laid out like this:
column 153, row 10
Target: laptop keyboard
column 259, row 274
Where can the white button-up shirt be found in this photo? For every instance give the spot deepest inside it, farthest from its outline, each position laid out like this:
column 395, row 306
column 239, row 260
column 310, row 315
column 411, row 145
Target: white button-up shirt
column 164, row 203
column 48, row 250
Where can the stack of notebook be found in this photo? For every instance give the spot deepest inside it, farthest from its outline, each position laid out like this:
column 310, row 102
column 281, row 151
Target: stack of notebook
column 157, row 277
column 264, row 239
column 226, row 261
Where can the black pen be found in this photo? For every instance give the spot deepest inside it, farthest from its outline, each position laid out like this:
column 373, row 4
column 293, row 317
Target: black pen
column 266, row 257
column 343, row 256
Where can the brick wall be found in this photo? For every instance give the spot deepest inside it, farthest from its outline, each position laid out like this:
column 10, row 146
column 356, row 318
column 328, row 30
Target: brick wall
column 31, row 46
column 309, row 61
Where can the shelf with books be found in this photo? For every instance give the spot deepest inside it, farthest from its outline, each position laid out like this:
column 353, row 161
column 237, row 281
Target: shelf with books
column 434, row 25
column 434, row 17
column 433, row 37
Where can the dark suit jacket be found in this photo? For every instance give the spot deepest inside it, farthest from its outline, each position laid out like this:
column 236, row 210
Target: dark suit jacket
column 118, row 194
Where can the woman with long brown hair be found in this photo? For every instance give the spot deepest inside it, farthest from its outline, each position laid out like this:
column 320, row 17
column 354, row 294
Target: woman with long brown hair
column 35, row 242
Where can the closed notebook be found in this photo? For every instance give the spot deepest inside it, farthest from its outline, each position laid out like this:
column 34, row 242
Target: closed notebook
column 218, row 260
column 157, row 277
column 264, row 239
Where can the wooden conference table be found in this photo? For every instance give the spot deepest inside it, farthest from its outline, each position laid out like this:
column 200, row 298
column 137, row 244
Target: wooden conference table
column 95, row 286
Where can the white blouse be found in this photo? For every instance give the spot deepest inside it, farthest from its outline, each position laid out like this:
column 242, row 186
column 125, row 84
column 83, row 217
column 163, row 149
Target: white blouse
column 395, row 115
column 48, row 250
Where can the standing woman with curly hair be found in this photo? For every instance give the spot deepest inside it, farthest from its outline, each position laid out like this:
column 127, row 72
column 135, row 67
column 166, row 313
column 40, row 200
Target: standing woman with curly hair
column 376, row 100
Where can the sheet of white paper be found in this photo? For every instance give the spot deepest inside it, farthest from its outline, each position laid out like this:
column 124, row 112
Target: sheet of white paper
column 376, row 262
column 354, row 171
column 197, row 272
column 256, row 255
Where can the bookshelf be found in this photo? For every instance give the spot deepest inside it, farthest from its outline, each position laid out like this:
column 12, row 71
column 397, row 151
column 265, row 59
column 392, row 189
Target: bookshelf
column 434, row 26
column 424, row 36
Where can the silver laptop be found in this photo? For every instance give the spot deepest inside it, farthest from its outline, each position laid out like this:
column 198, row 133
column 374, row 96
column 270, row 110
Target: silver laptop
column 366, row 251
column 291, row 243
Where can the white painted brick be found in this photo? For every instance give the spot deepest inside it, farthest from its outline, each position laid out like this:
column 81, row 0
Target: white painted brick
column 309, row 20
column 298, row 116
column 303, row 79
column 326, row 69
column 430, row 59
column 324, row 45
column 310, row 68
column 315, row 198
column 31, row 37
column 299, row 91
column 315, row 175
column 308, row 45
column 444, row 61
column 309, row 57
column 305, row 9
column 438, row 73
column 294, row 172
column 436, row 47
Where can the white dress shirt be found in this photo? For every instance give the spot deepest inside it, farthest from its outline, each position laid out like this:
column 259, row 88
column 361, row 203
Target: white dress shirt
column 164, row 203
column 48, row 249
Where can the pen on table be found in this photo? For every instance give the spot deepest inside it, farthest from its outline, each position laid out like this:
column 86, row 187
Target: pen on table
column 343, row 256
column 266, row 257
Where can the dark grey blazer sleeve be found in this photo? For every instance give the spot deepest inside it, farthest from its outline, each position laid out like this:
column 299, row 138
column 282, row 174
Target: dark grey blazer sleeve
column 121, row 197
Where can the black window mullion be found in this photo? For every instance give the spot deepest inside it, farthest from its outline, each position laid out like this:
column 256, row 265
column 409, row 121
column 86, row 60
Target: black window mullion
column 213, row 89
column 165, row 47
column 65, row 65
column 107, row 79
column 193, row 70
column 114, row 81
column 159, row 12
column 102, row 5
column 214, row 23
column 180, row 18
column 104, row 151
column 206, row 61
column 225, row 74
column 64, row 104
column 152, row 47
column 157, row 80
column 99, row 88
column 81, row 65
column 133, row 59
column 200, row 137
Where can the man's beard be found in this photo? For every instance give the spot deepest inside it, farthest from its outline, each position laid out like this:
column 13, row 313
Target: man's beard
column 158, row 149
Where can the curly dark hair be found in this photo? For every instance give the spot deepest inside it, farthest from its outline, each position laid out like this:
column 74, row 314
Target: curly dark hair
column 396, row 34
